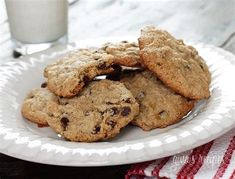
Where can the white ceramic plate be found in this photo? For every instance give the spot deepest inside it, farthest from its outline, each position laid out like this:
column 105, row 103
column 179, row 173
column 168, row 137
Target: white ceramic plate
column 22, row 139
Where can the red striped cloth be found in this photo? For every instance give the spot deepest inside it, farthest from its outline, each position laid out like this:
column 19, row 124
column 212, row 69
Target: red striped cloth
column 213, row 160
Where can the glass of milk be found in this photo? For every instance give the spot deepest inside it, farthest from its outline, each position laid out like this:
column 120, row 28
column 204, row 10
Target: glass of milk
column 37, row 24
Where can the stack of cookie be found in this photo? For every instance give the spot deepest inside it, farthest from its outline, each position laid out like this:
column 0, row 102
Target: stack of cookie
column 163, row 81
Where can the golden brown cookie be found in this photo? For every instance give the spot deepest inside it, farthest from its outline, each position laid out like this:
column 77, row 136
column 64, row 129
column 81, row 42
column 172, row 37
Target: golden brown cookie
column 159, row 105
column 178, row 65
column 34, row 107
column 99, row 112
column 125, row 53
column 67, row 76
column 71, row 73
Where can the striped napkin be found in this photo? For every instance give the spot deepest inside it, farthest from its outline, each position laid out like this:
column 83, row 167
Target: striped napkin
column 214, row 160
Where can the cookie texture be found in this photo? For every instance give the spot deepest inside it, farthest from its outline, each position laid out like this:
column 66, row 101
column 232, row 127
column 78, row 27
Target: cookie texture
column 71, row 73
column 35, row 105
column 125, row 53
column 159, row 105
column 178, row 65
column 97, row 113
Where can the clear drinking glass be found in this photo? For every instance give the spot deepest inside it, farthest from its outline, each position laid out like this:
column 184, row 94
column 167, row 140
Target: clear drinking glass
column 37, row 24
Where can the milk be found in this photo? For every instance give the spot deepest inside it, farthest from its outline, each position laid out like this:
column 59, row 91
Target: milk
column 37, row 21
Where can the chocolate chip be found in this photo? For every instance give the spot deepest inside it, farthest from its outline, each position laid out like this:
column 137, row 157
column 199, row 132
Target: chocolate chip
column 114, row 111
column 162, row 113
column 159, row 64
column 128, row 100
column 102, row 66
column 124, row 41
column 86, row 79
column 96, row 130
column 44, row 85
column 189, row 100
column 187, row 67
column 111, row 123
column 202, row 67
column 64, row 122
column 126, row 111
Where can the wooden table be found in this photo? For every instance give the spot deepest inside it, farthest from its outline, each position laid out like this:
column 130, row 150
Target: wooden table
column 206, row 21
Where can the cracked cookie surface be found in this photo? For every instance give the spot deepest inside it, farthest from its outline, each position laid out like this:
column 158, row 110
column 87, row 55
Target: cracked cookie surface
column 159, row 105
column 35, row 105
column 178, row 65
column 72, row 72
column 125, row 53
column 97, row 113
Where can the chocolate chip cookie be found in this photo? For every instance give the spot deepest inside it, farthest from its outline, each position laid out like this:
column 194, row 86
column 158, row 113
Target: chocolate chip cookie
column 178, row 65
column 97, row 113
column 67, row 76
column 125, row 53
column 159, row 105
column 34, row 107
